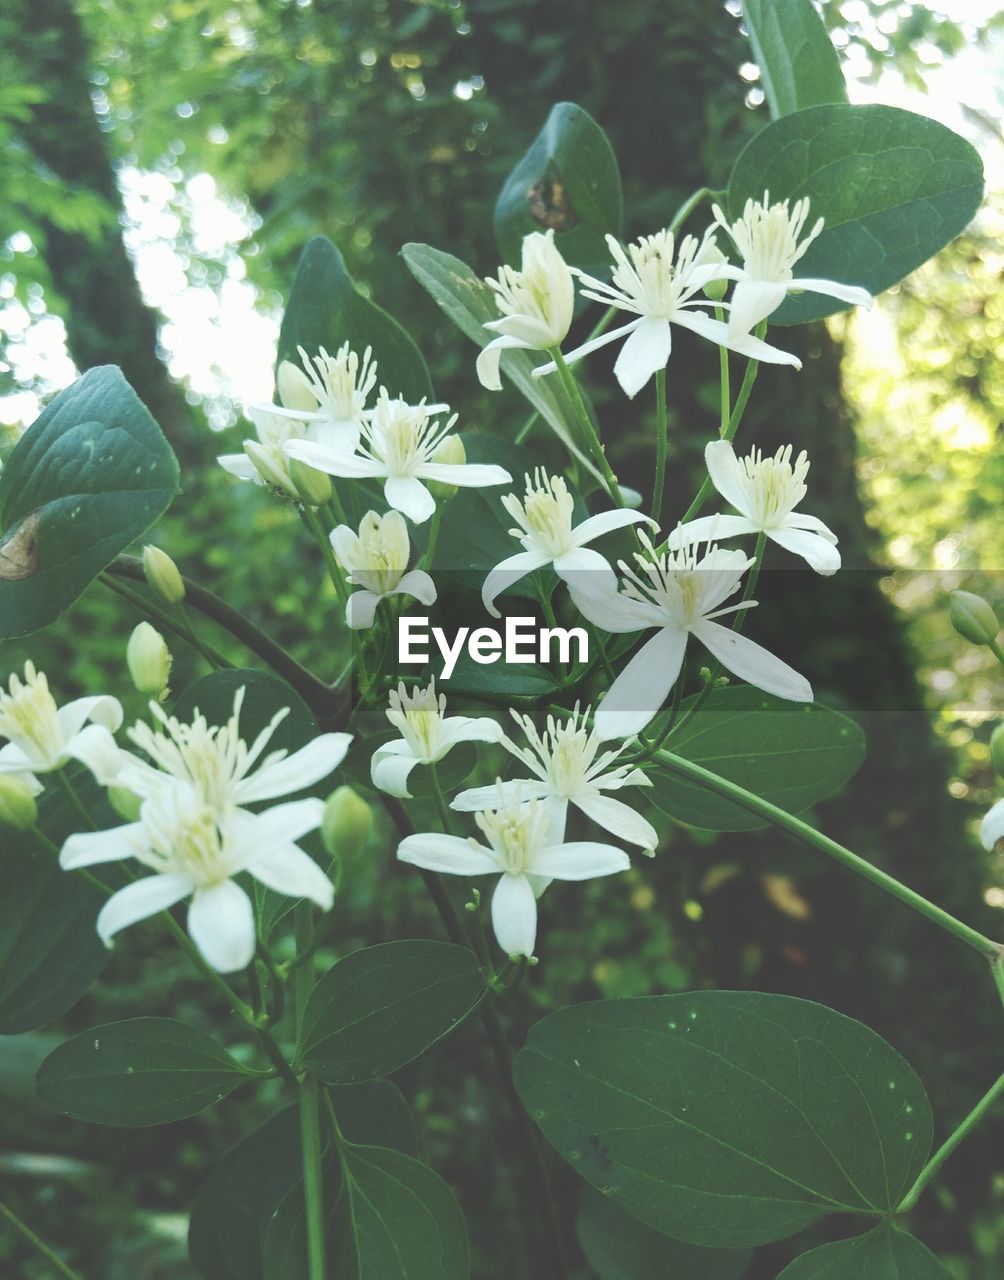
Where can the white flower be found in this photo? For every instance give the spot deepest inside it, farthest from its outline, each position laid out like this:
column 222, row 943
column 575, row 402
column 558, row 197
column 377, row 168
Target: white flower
column 992, row 826
column 264, row 460
column 544, row 517
column 765, row 491
column 196, row 848
column 398, row 445
column 679, row 594
column 521, row 849
column 568, row 767
column 376, row 560
column 767, row 237
column 536, row 302
column 427, row 735
column 44, row 737
column 661, row 293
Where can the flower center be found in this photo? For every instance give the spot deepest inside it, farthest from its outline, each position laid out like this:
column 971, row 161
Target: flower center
column 767, row 236
column 514, row 834
column 341, row 382
column 687, row 588
column 418, row 715
column 188, row 840
column 775, row 487
column 402, row 436
column 544, row 515
column 380, row 552
column 29, row 719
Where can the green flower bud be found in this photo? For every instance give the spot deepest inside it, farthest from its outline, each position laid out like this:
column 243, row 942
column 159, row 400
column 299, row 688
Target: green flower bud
column 347, row 823
column 450, row 450
column 126, row 803
column 972, row 617
column 312, row 486
column 149, row 661
column 294, row 388
column 162, row 575
column 997, row 749
column 17, row 803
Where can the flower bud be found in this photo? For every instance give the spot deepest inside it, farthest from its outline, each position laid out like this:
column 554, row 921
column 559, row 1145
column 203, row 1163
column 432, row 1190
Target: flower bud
column 294, row 388
column 126, row 803
column 272, row 467
column 450, row 450
column 972, row 617
column 149, row 661
column 312, row 486
column 162, row 575
column 347, row 823
column 17, row 803
column 997, row 749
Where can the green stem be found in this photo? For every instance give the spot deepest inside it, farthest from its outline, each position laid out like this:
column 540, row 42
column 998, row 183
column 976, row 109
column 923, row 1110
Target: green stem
column 164, row 620
column 430, row 546
column 313, row 1189
column 589, row 433
column 313, row 523
column 661, row 443
column 442, row 807
column 76, row 803
column 997, row 972
column 985, row 1104
column 526, row 428
column 38, row 1244
column 723, row 374
column 788, row 822
column 690, row 204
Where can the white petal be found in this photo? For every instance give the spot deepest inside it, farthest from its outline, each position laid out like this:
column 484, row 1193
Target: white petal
column 342, row 436
column 333, row 461
column 852, row 294
column 95, row 747
column 102, row 710
column 753, row 301
column 296, row 772
column 585, row 572
column 240, row 465
column 589, row 347
column 283, row 823
column 614, row 612
column 798, row 520
column 514, row 915
column 221, row 924
column 580, row 860
column 409, row 495
column 287, row 869
column 506, row 572
column 469, row 729
column 418, row 585
column 438, row 852
column 751, row 662
column 90, row 847
column 642, row 687
column 360, row 609
column 716, row 528
column 14, row 760
column 138, row 901
column 606, row 522
column 727, row 474
column 992, row 826
column 474, row 799
column 465, row 475
column 487, row 365
column 389, row 770
column 618, row 818
column 716, row 331
column 646, row 351
column 819, row 553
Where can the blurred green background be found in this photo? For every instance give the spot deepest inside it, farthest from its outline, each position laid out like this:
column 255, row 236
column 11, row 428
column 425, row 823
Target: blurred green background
column 161, row 167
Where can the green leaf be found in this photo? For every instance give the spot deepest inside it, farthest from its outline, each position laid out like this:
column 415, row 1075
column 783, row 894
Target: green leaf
column 894, row 188
column 469, row 303
column 375, row 1114
column 883, row 1254
column 383, row 1006
column 406, row 1222
column 798, row 64
column 619, row 1247
column 325, row 309
column 139, row 1072
column 568, row 180
column 791, row 754
column 727, row 1119
column 84, row 481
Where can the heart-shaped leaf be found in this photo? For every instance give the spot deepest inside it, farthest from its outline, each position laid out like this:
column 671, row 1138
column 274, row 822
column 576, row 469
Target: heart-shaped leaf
column 883, row 1254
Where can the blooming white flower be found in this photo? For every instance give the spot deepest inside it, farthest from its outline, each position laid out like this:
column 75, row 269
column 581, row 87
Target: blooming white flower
column 376, row 559
column 768, row 238
column 992, row 826
column 44, row 737
column 660, row 293
column 196, row 848
column 680, row 594
column 520, row 850
column 544, row 517
column 765, row 491
column 398, row 445
column 536, row 302
column 264, row 460
column 568, row 767
column 427, row 735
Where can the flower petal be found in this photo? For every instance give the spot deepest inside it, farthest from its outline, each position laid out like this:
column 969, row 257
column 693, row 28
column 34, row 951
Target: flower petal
column 717, row 331
column 88, row 848
column 389, row 769
column 585, row 570
column 468, row 729
column 753, row 301
column 615, row 612
column 589, row 347
column 606, row 522
column 438, row 852
column 296, row 772
column 646, row 351
column 992, row 826
column 728, row 474
column 102, row 709
column 709, row 528
column 95, row 748
column 752, row 663
column 409, row 495
column 643, row 686
column 342, row 436
column 514, row 915
column 240, row 465
column 500, row 794
column 818, row 552
column 618, row 818
column 580, row 860
column 465, row 475
column 138, row 901
column 14, row 760
column 489, row 358
column 506, row 572
column 287, row 869
column 360, row 609
column 283, row 823
column 221, row 924
column 852, row 294
column 334, row 461
column 418, row 585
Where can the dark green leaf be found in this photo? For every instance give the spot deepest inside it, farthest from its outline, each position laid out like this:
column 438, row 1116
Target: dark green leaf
column 727, row 1119
column 375, row 1114
column 619, row 1247
column 139, row 1072
column 84, row 481
column 326, row 309
column 894, row 188
column 791, row 754
column 499, row 679
column 568, row 180
column 798, row 64
column 883, row 1254
column 383, row 1006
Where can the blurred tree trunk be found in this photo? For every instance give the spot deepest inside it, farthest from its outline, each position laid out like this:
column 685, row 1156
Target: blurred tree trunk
column 107, row 321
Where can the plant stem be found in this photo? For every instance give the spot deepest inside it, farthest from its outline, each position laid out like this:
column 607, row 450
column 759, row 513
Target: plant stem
column 38, row 1244
column 165, row 620
column 726, row 391
column 788, row 822
column 313, row 1190
column 661, row 443
column 985, row 1104
column 441, row 806
column 313, row 523
column 430, row 546
column 690, row 204
column 70, row 791
column 526, row 428
column 571, row 388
